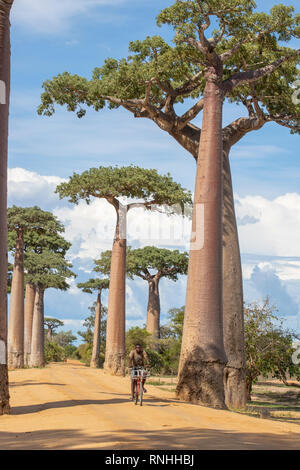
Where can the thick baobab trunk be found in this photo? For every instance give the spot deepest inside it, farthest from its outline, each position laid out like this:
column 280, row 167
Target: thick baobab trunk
column 16, row 311
column 28, row 317
column 115, row 333
column 96, row 340
column 233, row 316
column 49, row 334
column 203, row 359
column 37, row 356
column 153, row 309
column 4, row 114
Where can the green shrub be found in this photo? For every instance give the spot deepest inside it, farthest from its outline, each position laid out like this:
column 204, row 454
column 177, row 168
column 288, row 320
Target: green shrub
column 54, row 352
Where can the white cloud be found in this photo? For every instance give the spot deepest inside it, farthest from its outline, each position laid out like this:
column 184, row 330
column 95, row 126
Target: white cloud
column 90, row 228
column 53, row 16
column 276, row 232
column 28, row 188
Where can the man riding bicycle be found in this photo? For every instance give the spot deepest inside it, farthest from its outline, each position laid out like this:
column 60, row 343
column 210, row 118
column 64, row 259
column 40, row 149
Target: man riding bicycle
column 138, row 358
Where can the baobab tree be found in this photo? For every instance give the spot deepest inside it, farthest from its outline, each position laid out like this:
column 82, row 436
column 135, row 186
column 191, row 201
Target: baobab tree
column 151, row 264
column 111, row 183
column 52, row 324
column 5, row 8
column 51, row 240
column 29, row 229
column 250, row 68
column 89, row 287
column 45, row 270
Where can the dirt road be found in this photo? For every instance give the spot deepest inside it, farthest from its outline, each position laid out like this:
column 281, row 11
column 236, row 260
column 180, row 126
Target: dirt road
column 69, row 406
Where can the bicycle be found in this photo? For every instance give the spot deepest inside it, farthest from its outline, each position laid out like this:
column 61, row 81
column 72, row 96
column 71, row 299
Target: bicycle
column 138, row 374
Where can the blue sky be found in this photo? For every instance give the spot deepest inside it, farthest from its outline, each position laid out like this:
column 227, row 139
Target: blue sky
column 51, row 36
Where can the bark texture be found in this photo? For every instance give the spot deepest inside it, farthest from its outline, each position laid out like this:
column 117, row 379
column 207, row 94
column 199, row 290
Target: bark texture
column 203, row 359
column 28, row 317
column 233, row 317
column 4, row 115
column 16, row 315
column 153, row 308
column 37, row 356
column 96, row 340
column 115, row 333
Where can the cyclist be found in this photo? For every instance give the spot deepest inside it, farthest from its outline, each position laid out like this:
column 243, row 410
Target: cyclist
column 138, row 358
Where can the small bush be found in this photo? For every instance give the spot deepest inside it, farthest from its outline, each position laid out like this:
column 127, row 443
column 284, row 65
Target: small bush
column 54, row 352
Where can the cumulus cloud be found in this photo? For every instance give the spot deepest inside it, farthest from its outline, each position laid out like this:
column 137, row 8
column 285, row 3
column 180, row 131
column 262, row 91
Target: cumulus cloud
column 273, row 225
column 53, row 16
column 28, row 188
column 90, row 228
column 266, row 282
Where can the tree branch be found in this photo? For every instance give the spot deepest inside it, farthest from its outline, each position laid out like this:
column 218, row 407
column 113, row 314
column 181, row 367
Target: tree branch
column 254, row 75
column 190, row 114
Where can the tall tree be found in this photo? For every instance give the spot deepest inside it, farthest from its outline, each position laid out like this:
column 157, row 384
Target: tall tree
column 89, row 287
column 5, row 7
column 45, row 270
column 112, row 183
column 151, row 264
column 156, row 76
column 52, row 324
column 269, row 345
column 29, row 229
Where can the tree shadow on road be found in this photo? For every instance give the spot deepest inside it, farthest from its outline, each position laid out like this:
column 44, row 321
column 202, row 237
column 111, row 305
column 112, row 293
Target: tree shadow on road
column 28, row 409
column 167, row 439
column 32, row 382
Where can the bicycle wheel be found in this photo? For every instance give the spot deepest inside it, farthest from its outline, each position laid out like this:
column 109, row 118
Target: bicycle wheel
column 141, row 394
column 137, row 388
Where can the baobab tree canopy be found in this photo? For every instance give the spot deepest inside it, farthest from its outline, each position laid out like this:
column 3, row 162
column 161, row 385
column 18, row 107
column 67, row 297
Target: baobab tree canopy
column 52, row 323
column 41, row 230
column 166, row 263
column 93, row 285
column 48, row 269
column 140, row 262
column 131, row 181
column 157, row 75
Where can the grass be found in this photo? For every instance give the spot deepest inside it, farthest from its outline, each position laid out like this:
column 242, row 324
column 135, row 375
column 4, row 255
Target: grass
column 270, row 398
column 276, row 401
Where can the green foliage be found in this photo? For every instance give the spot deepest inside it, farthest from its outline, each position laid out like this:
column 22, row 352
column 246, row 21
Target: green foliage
column 61, row 344
column 167, row 263
column 93, row 284
column 156, row 361
column 170, row 343
column 269, row 346
column 54, row 352
column 48, row 269
column 102, row 265
column 52, row 323
column 131, row 181
column 41, row 230
column 84, row 351
column 157, row 75
column 65, row 338
column 137, row 335
column 141, row 262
